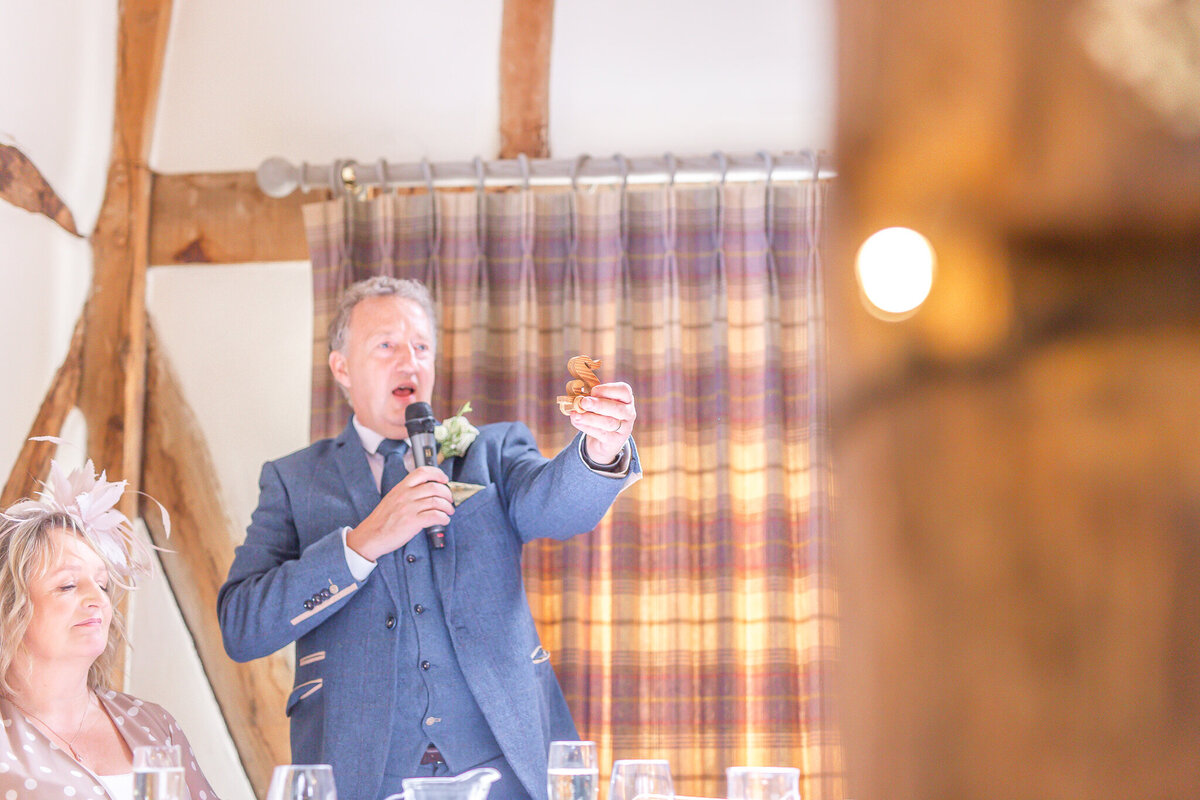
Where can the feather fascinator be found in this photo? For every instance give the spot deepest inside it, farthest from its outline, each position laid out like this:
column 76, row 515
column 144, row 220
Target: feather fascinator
column 91, row 501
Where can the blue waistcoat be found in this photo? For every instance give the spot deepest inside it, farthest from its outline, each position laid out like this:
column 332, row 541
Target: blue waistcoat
column 433, row 702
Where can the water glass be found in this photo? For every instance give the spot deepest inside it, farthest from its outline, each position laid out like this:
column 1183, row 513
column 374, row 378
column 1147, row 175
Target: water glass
column 641, row 779
column 763, row 783
column 574, row 771
column 302, row 782
column 158, row 773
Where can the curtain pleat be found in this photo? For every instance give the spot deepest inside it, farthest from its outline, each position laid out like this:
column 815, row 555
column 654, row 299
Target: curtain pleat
column 697, row 622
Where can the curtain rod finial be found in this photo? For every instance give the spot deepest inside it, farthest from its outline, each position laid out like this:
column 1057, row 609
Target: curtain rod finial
column 277, row 177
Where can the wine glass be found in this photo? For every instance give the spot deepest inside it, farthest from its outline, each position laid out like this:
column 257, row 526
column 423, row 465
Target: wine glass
column 302, row 782
column 763, row 783
column 158, row 772
column 641, row 779
column 574, row 772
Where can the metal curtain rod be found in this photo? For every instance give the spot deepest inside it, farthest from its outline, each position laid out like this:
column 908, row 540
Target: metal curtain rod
column 277, row 177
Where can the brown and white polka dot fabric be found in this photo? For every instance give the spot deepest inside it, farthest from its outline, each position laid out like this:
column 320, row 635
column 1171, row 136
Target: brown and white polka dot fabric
column 32, row 766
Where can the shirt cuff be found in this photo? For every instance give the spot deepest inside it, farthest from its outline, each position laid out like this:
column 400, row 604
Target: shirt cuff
column 360, row 567
column 617, row 469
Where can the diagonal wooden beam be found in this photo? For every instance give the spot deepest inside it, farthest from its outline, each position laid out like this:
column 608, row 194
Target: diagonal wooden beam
column 23, row 185
column 525, row 37
column 33, row 463
column 180, row 474
column 114, row 349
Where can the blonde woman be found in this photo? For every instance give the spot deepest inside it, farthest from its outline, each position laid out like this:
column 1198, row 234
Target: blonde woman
column 65, row 561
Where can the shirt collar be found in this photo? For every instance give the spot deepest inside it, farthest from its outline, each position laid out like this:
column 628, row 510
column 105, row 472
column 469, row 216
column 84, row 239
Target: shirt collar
column 369, row 438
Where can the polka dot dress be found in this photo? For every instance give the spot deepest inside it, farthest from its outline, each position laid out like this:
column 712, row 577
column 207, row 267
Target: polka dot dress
column 34, row 768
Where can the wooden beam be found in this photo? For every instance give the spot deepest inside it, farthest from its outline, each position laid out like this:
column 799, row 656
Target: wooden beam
column 114, row 351
column 223, row 218
column 33, row 463
column 180, row 474
column 525, row 36
column 23, row 185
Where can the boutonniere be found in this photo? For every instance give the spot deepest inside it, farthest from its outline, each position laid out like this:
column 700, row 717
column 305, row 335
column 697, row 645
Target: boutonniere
column 454, row 435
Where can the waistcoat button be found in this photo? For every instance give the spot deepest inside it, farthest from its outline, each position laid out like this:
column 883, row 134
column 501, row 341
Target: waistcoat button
column 391, row 622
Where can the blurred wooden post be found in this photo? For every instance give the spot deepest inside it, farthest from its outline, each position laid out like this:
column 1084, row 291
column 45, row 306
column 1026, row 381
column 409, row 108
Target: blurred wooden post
column 1019, row 462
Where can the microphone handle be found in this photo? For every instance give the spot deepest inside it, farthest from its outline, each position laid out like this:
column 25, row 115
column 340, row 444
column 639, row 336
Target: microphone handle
column 424, row 455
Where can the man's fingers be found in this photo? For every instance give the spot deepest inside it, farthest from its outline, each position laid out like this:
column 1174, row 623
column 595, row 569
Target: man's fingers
column 606, row 407
column 617, row 390
column 425, row 474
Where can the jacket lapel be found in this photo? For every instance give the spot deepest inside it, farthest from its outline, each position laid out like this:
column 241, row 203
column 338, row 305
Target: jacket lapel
column 360, row 485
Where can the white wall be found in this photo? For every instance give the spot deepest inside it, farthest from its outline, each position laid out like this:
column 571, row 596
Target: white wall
column 315, row 81
column 644, row 78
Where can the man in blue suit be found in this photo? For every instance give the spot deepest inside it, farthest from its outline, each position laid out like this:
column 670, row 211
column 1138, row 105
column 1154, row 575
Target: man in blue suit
column 414, row 661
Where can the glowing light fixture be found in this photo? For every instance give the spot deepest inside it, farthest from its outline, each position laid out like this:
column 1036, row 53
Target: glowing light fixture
column 895, row 270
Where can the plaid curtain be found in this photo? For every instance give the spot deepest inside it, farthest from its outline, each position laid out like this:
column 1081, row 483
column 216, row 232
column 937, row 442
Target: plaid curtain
column 696, row 623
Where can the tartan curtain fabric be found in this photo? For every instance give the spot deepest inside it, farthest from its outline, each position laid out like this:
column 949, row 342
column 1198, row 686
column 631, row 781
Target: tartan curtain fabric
column 696, row 623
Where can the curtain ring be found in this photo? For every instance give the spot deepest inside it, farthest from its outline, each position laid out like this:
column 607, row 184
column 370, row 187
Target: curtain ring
column 435, row 232
column 480, row 213
column 723, row 163
column 768, row 163
column 427, row 173
column 622, row 170
column 304, row 184
column 480, row 174
column 575, row 167
column 769, row 211
column 523, row 163
column 347, row 174
column 384, row 188
column 623, row 219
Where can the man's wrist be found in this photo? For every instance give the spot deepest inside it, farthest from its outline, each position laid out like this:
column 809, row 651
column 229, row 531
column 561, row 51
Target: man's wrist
column 618, row 467
column 359, row 565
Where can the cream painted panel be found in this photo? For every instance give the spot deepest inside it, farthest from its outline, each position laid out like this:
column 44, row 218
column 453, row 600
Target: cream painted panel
column 317, row 80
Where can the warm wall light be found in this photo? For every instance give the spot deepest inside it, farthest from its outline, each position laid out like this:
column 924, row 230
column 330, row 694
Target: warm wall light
column 895, row 269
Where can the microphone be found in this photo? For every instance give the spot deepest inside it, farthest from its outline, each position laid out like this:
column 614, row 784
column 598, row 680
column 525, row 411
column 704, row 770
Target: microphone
column 418, row 420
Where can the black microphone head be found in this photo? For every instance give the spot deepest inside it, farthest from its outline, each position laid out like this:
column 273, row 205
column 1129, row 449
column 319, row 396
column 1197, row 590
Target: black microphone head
column 418, row 418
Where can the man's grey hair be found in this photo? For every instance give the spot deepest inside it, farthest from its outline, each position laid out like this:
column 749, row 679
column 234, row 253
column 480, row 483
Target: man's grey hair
column 380, row 286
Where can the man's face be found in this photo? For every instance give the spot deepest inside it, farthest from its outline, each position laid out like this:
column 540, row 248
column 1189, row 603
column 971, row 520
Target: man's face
column 386, row 363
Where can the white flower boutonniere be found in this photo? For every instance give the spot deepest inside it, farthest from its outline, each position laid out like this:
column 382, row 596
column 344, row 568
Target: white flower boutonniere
column 455, row 434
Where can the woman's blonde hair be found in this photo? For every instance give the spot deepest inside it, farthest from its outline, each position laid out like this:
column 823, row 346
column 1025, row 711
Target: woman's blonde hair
column 27, row 551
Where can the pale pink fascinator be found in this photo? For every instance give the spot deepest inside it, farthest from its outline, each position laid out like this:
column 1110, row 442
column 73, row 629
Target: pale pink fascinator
column 91, row 501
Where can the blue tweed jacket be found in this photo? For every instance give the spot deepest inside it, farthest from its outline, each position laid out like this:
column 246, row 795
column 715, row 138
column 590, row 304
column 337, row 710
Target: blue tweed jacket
column 347, row 650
